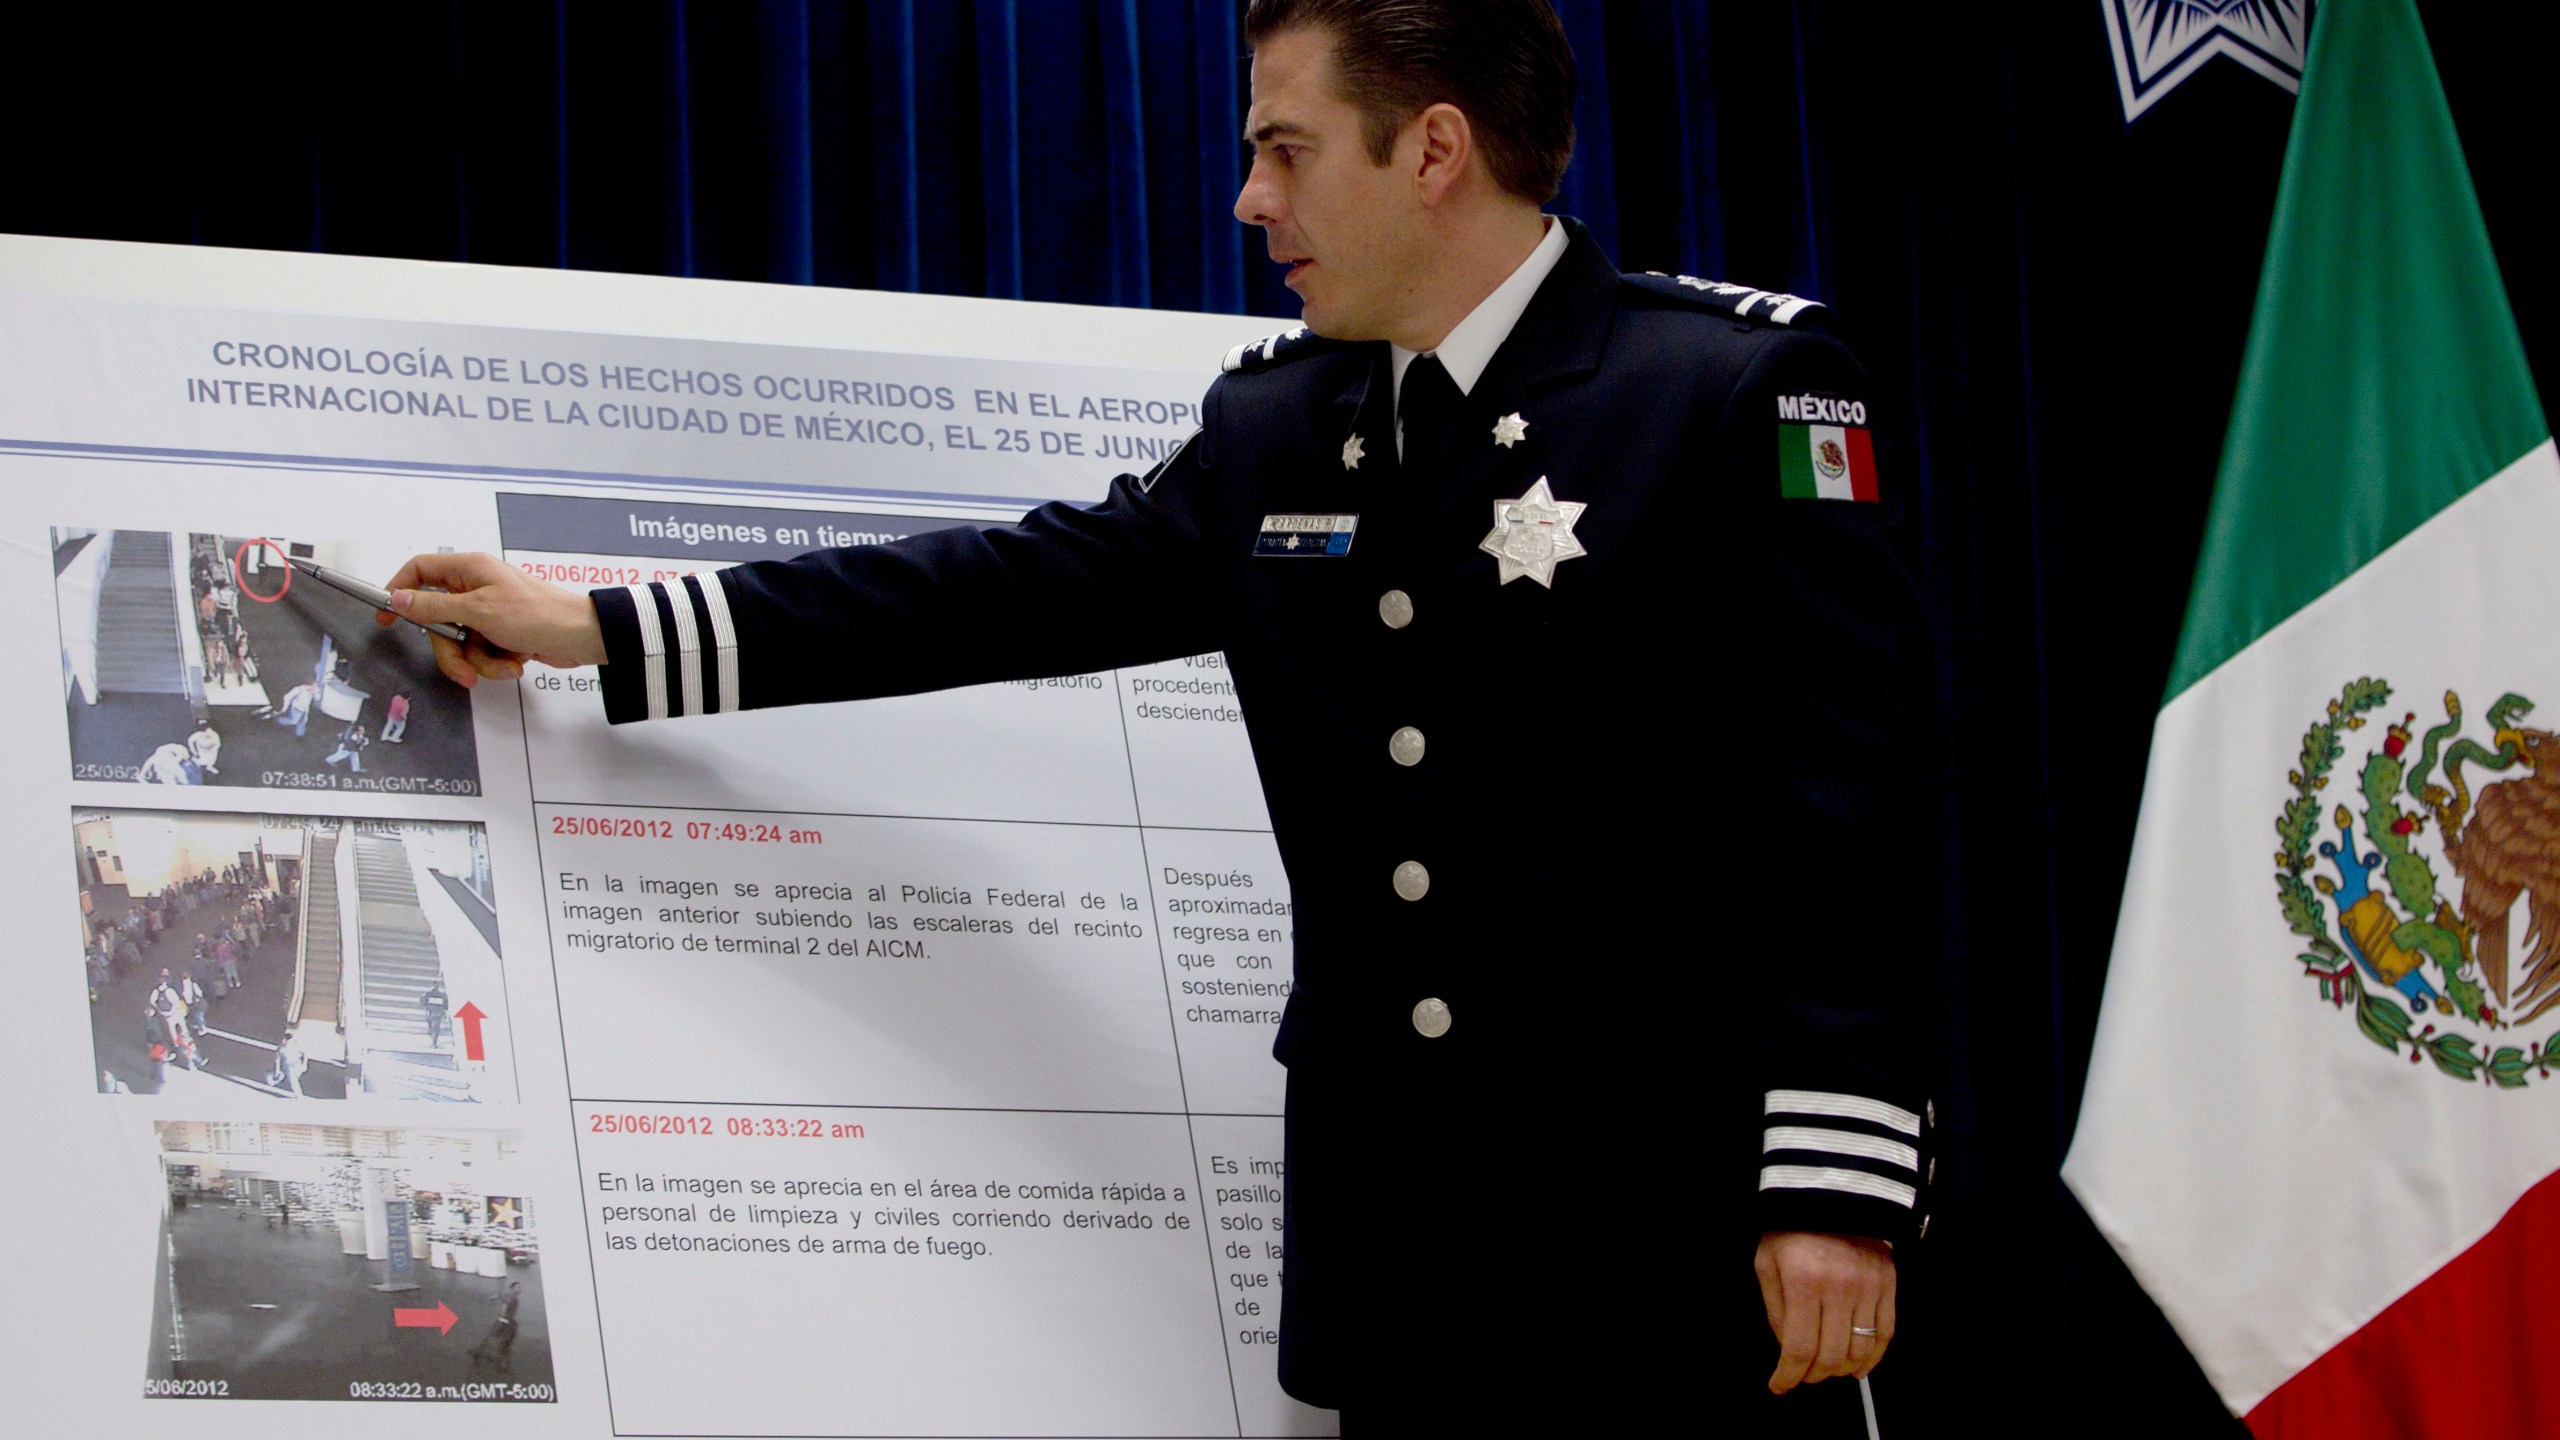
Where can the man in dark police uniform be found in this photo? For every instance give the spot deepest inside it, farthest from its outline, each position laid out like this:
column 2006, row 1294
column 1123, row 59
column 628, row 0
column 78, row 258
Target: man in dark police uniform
column 1583, row 683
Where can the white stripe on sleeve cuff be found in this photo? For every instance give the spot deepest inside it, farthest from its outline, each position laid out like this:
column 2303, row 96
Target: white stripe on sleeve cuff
column 653, row 649
column 724, row 637
column 1841, row 1142
column 688, row 649
column 1822, row 1177
column 1845, row 1107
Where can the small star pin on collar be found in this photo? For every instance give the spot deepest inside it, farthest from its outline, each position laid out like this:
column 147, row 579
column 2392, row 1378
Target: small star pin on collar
column 1353, row 450
column 1510, row 430
column 1533, row 535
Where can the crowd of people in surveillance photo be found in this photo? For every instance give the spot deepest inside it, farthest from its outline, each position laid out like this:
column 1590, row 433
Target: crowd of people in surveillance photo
column 233, row 917
column 300, row 957
column 196, row 659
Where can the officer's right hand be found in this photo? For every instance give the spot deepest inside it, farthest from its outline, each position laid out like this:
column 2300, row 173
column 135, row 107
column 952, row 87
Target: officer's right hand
column 512, row 617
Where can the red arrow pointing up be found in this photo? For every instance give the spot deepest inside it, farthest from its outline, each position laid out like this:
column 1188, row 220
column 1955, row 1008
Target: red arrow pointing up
column 440, row 1319
column 470, row 1016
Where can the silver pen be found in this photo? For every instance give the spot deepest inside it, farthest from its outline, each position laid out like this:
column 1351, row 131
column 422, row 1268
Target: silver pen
column 371, row 594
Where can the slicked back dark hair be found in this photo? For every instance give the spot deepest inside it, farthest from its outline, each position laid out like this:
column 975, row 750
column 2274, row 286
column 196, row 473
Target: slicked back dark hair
column 1505, row 63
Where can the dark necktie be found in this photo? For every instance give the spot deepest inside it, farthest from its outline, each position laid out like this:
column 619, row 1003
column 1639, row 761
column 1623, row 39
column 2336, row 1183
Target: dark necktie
column 1427, row 404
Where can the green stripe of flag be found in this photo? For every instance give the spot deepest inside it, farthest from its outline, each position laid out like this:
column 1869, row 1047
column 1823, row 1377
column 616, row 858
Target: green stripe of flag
column 2384, row 377
column 1795, row 464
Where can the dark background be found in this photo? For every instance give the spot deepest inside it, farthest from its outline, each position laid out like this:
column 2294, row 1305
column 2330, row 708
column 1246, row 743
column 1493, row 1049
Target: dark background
column 2052, row 303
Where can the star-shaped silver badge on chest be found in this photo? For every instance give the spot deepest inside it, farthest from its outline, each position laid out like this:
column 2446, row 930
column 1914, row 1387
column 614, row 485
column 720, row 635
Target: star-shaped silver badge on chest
column 1533, row 535
column 1353, row 451
column 1510, row 430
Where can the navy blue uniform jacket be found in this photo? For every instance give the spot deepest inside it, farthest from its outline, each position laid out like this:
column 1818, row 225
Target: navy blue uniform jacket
column 1666, row 805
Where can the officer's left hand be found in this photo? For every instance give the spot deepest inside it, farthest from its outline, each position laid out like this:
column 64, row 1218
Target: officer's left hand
column 1816, row 1287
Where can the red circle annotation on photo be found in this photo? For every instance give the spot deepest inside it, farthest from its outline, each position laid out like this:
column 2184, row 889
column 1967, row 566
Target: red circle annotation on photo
column 239, row 580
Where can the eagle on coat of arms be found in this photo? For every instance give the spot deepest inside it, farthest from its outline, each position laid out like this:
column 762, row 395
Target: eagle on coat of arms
column 2402, row 949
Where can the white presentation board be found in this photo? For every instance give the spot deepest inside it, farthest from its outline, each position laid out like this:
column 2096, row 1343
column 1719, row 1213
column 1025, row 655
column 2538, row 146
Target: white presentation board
column 899, row 1069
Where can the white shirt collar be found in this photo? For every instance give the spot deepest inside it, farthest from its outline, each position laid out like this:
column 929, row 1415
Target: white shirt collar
column 1470, row 346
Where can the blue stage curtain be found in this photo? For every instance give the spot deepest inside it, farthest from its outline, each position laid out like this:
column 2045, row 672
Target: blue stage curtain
column 2051, row 302
column 1072, row 150
column 1024, row 149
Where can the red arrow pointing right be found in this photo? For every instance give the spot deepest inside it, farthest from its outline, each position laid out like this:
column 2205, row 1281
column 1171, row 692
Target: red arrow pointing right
column 440, row 1319
column 470, row 1017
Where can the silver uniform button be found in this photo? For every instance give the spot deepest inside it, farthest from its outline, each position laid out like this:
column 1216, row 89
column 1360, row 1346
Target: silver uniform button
column 1396, row 608
column 1431, row 1018
column 1406, row 746
column 1412, row 881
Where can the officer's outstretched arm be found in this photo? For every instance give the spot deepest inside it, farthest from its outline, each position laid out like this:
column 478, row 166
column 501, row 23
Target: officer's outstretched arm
column 1069, row 590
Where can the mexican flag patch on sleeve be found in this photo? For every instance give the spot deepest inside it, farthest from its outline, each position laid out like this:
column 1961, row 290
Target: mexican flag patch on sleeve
column 1826, row 462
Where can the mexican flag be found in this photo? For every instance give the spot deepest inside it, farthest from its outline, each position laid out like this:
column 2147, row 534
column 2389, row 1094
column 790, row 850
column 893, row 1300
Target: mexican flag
column 2323, row 1117
column 1825, row 462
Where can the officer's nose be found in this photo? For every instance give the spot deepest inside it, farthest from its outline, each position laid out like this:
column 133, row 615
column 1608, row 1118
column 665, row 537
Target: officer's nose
column 1258, row 203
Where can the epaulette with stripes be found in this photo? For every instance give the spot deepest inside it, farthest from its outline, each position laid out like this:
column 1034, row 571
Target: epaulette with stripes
column 1295, row 343
column 1740, row 301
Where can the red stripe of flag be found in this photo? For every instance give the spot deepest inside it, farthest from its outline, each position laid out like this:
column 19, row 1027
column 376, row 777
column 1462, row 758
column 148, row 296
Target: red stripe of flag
column 2465, row 1353
column 1862, row 464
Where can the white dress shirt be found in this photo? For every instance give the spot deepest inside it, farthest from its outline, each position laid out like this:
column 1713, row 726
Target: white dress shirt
column 1469, row 347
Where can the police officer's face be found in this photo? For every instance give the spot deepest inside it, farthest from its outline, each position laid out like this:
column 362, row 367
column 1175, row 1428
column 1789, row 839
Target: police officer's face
column 1346, row 228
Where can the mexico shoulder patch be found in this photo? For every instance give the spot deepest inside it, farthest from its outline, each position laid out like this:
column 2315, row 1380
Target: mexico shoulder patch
column 1824, row 450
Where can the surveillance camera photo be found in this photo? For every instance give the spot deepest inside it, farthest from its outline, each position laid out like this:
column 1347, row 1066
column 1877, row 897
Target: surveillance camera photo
column 300, row 957
column 193, row 659
column 301, row 1262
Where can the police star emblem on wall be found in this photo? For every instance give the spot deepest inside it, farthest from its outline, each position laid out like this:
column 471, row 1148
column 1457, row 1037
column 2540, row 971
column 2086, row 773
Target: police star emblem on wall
column 2159, row 43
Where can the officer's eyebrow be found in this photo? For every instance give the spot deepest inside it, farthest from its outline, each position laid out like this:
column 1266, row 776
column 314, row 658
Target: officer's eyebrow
column 1269, row 129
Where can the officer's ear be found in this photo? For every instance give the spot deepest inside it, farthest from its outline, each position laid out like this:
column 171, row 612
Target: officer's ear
column 1443, row 146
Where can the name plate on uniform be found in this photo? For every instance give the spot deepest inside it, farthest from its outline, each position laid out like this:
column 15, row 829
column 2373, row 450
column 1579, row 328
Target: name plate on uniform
column 1300, row 535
